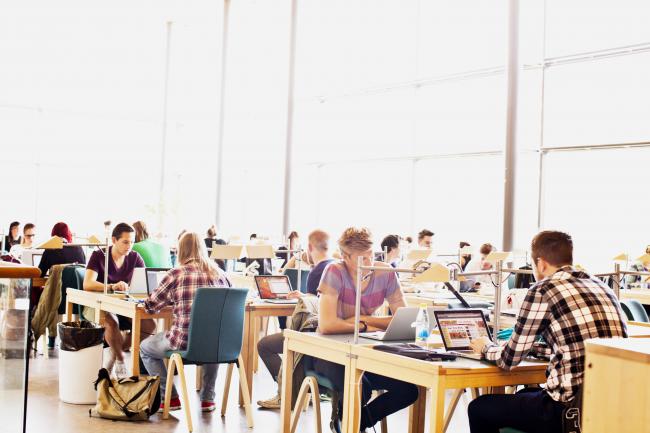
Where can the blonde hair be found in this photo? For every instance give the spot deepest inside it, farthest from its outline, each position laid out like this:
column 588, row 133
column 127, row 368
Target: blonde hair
column 320, row 240
column 355, row 239
column 191, row 248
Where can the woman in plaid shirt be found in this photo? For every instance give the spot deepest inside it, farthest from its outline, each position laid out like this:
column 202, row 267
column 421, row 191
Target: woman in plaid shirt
column 177, row 289
column 566, row 307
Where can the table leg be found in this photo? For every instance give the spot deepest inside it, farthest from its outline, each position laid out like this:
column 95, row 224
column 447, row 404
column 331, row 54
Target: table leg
column 352, row 398
column 417, row 412
column 135, row 342
column 458, row 393
column 437, row 406
column 68, row 311
column 287, row 389
column 249, row 330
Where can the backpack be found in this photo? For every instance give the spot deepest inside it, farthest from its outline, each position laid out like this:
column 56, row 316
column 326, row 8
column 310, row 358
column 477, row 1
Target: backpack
column 129, row 399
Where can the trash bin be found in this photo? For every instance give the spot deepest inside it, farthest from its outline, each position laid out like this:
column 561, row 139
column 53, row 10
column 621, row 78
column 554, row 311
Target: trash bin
column 80, row 358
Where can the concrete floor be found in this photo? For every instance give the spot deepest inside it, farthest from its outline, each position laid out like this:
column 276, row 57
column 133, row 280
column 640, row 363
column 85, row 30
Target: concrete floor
column 47, row 414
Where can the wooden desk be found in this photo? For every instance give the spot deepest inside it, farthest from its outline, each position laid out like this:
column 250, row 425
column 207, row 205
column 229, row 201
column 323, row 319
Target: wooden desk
column 116, row 304
column 616, row 397
column 436, row 376
column 254, row 312
column 332, row 348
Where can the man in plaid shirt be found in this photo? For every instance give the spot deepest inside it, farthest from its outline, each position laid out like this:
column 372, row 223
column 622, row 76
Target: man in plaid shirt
column 565, row 307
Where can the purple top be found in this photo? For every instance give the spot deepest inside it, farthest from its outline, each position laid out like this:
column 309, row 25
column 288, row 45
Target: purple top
column 131, row 261
column 382, row 286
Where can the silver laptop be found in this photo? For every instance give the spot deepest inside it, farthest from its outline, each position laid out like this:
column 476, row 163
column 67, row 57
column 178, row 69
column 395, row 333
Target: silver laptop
column 274, row 289
column 154, row 276
column 459, row 327
column 400, row 327
column 138, row 284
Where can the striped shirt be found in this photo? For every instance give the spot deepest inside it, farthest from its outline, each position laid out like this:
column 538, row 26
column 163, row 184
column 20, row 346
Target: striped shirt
column 566, row 309
column 381, row 286
column 177, row 289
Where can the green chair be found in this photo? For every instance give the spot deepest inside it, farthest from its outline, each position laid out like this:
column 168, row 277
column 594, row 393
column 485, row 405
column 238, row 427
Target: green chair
column 634, row 310
column 510, row 430
column 215, row 337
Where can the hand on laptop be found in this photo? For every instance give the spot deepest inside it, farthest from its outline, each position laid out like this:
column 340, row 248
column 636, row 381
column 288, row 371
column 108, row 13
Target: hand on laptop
column 294, row 294
column 121, row 286
column 478, row 344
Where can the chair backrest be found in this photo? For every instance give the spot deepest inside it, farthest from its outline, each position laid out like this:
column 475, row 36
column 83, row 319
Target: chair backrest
column 72, row 276
column 634, row 310
column 292, row 274
column 216, row 325
column 511, row 281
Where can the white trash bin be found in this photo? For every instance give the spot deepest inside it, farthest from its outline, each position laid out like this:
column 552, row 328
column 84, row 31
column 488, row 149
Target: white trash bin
column 78, row 373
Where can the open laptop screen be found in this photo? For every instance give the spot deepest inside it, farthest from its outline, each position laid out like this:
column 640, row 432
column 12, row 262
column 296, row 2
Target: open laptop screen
column 273, row 286
column 154, row 277
column 458, row 328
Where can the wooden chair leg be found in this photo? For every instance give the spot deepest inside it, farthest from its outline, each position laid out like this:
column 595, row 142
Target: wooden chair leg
column 226, row 389
column 300, row 402
column 384, row 425
column 243, row 386
column 186, row 399
column 199, row 378
column 315, row 395
column 475, row 393
column 171, row 365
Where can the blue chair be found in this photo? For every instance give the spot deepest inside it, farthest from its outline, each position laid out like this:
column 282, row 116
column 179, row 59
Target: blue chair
column 292, row 274
column 634, row 310
column 215, row 337
column 511, row 281
column 510, row 430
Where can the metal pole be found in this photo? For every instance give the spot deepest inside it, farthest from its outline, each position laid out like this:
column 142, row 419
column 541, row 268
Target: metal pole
column 222, row 108
column 510, row 153
column 107, row 225
column 289, row 132
column 299, row 261
column 357, row 302
column 617, row 280
column 497, row 301
column 163, row 147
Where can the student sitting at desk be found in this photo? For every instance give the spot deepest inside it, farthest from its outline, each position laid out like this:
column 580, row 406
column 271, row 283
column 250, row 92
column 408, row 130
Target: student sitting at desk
column 391, row 244
column 13, row 238
column 153, row 254
column 29, row 232
column 640, row 266
column 336, row 316
column 425, row 239
column 66, row 255
column 121, row 263
column 482, row 282
column 566, row 307
column 177, row 289
column 270, row 347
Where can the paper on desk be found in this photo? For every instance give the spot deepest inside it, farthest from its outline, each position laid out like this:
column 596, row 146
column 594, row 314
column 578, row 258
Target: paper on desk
column 437, row 273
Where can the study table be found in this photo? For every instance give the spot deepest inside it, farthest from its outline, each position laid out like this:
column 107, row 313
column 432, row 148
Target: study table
column 437, row 376
column 117, row 304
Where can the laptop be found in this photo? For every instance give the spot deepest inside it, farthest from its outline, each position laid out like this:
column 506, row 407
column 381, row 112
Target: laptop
column 400, row 327
column 154, row 276
column 274, row 289
column 138, row 284
column 459, row 327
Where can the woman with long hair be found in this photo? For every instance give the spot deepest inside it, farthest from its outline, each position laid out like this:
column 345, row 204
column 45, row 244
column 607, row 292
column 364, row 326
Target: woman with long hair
column 195, row 269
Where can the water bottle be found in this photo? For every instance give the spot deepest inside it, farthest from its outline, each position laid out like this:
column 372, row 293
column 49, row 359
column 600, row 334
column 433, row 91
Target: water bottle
column 422, row 325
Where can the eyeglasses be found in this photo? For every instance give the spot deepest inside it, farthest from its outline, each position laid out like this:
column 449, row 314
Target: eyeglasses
column 29, row 236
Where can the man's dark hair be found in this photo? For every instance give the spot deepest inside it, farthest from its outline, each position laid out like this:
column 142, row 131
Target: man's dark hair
column 28, row 226
column 554, row 247
column 424, row 233
column 122, row 228
column 391, row 242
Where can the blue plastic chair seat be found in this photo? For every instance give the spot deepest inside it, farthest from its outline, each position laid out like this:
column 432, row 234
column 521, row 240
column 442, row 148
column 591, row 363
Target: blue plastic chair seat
column 510, row 430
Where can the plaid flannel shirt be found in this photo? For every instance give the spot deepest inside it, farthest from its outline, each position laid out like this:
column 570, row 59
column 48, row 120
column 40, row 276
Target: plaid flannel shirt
column 177, row 289
column 566, row 308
